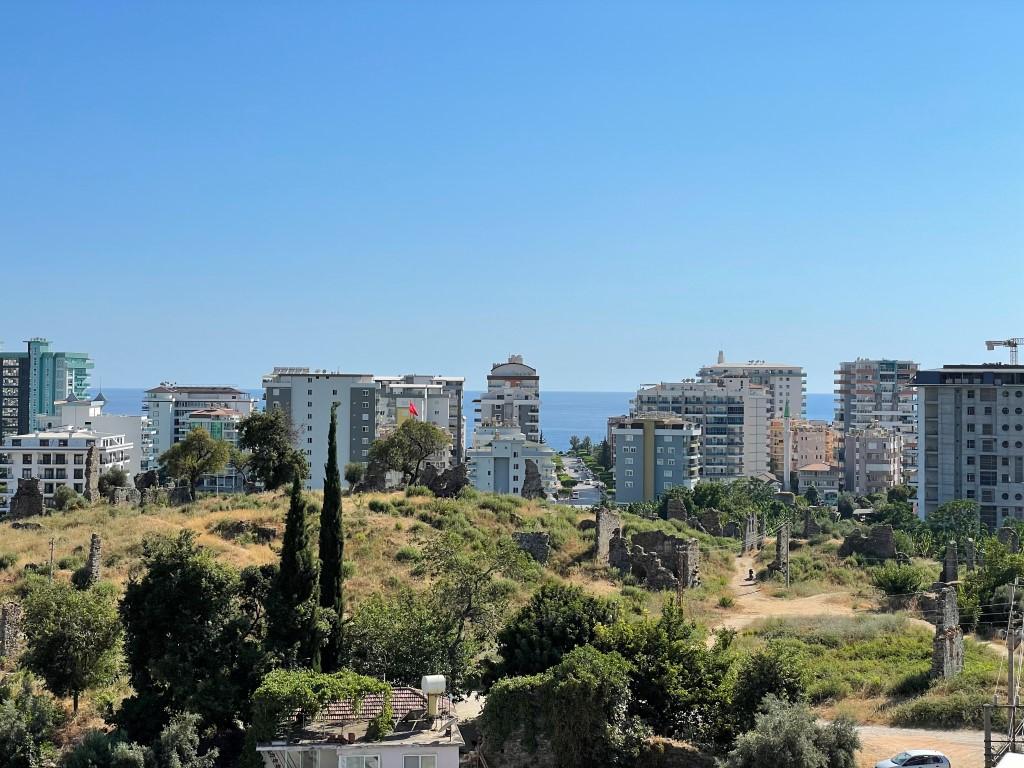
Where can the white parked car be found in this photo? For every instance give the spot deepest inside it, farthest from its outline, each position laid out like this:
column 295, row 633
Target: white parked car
column 914, row 757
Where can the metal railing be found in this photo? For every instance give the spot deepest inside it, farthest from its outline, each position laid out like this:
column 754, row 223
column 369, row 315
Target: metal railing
column 998, row 744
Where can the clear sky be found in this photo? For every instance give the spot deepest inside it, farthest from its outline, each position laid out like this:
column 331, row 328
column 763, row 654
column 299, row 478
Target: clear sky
column 200, row 191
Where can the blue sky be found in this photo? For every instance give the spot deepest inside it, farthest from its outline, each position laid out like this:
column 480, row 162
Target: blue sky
column 200, row 191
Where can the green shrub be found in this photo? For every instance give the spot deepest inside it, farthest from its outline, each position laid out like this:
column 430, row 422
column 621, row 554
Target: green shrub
column 381, row 507
column 7, row 559
column 726, row 601
column 896, row 579
column 418, row 490
column 65, row 499
column 70, row 563
column 408, row 554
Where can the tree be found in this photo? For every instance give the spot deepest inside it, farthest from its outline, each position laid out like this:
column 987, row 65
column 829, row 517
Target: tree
column 586, row 444
column 242, row 463
column 574, row 443
column 469, row 591
column 900, row 494
column 178, row 745
column 269, row 438
column 295, row 630
column 579, row 707
column 766, row 671
column 73, row 637
column 604, row 454
column 354, row 472
column 65, row 499
column 676, row 680
column 957, row 520
column 407, row 448
column 845, row 505
column 556, row 619
column 332, row 549
column 709, row 495
column 786, row 733
column 194, row 634
column 197, row 455
column 811, row 494
column 101, row 750
column 28, row 721
column 113, row 478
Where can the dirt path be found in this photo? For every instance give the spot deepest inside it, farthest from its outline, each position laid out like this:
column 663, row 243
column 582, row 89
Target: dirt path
column 752, row 603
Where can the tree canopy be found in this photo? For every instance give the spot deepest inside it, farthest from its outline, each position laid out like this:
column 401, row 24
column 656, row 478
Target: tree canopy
column 196, row 455
column 407, row 448
column 73, row 637
column 268, row 437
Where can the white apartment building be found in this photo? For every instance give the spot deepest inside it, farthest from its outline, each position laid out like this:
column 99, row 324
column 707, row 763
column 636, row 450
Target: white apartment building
column 971, row 439
column 733, row 416
column 437, row 399
column 56, row 457
column 169, row 409
column 87, row 413
column 306, row 395
column 497, row 461
column 784, row 384
column 512, row 398
column 873, row 459
column 880, row 393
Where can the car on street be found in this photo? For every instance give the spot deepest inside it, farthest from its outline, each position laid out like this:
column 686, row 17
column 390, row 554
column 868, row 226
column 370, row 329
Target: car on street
column 916, row 757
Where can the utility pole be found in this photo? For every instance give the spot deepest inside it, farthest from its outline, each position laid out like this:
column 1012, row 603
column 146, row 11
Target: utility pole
column 52, row 540
column 1011, row 683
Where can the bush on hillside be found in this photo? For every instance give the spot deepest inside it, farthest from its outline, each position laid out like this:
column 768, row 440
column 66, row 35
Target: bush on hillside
column 896, row 579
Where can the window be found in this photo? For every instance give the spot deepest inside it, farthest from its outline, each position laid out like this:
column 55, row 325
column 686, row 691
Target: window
column 629, row 473
column 629, row 483
column 361, row 761
column 419, row 761
column 970, row 427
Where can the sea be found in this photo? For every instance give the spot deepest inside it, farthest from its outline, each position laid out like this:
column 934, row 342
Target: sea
column 562, row 414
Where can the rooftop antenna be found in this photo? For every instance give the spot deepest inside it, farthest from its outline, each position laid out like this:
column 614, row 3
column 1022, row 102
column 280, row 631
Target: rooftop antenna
column 1011, row 344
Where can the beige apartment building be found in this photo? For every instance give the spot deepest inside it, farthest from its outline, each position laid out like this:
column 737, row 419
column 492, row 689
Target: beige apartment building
column 811, row 442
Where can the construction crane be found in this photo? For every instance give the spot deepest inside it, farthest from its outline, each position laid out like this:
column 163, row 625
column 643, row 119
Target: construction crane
column 1011, row 344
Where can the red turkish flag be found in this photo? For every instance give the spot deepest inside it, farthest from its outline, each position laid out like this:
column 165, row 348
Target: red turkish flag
column 412, row 409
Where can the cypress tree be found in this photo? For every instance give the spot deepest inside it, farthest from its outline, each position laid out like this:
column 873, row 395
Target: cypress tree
column 298, row 588
column 332, row 548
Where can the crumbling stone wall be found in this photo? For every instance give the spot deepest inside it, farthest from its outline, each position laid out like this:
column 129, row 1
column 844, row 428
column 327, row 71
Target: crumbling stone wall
column 969, row 555
column 537, row 544
column 609, row 524
column 147, row 479
column 93, row 563
column 711, row 522
column 124, row 497
column 811, row 526
column 879, row 543
column 676, row 510
column 154, row 495
column 949, row 564
column 179, row 495
column 10, row 630
column 656, row 559
column 92, row 473
column 533, row 485
column 781, row 549
column 1008, row 538
column 751, row 537
column 948, row 643
column 28, row 499
column 786, row 497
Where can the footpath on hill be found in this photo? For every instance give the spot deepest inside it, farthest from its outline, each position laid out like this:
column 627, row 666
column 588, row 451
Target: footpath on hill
column 965, row 748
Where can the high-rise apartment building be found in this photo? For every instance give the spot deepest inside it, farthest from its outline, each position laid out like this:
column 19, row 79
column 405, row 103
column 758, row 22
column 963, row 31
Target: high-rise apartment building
column 971, row 439
column 654, row 453
column 437, row 399
column 173, row 411
column 512, row 398
column 783, row 384
column 811, row 442
column 34, row 380
column 306, row 396
column 880, row 393
column 732, row 414
column 872, row 459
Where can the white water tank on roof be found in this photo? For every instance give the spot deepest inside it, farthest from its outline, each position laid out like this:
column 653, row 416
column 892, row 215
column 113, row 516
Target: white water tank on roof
column 433, row 684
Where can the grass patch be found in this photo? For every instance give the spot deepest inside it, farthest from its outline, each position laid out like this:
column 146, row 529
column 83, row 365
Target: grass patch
column 872, row 656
